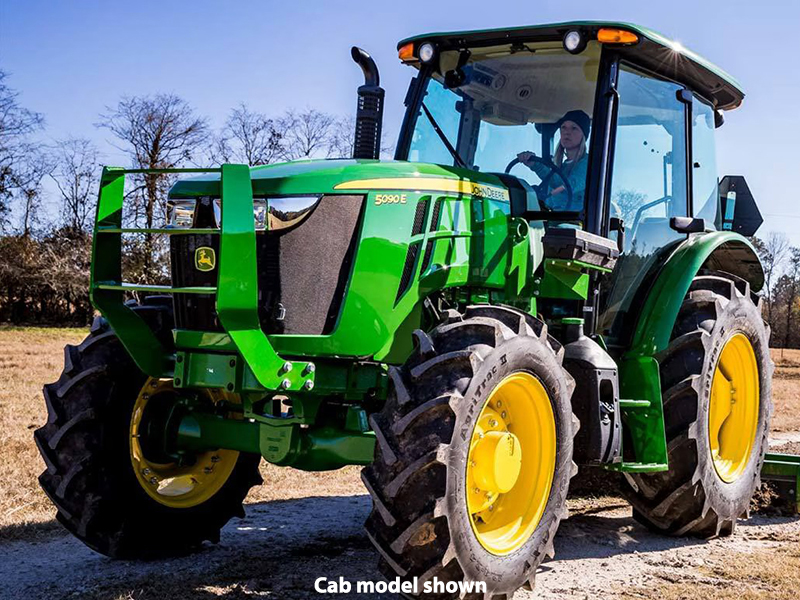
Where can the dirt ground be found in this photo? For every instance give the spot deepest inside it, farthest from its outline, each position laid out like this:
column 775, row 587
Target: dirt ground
column 300, row 526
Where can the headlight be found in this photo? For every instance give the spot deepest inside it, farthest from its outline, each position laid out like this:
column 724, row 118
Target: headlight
column 180, row 213
column 271, row 214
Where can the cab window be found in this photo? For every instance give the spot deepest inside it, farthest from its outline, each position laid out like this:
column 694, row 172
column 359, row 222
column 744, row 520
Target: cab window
column 649, row 183
column 705, row 192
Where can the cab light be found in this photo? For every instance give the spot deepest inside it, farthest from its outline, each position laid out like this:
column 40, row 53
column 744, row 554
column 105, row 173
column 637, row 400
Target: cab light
column 406, row 53
column 426, row 52
column 616, row 36
column 574, row 42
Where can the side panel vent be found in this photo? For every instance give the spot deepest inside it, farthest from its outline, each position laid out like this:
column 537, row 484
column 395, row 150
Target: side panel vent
column 408, row 270
column 437, row 210
column 426, row 258
column 419, row 216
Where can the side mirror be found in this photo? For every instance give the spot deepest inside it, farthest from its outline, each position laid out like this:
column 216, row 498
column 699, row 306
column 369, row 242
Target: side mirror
column 719, row 119
column 738, row 209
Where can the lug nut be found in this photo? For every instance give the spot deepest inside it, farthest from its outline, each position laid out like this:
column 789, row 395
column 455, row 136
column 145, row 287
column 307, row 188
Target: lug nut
column 286, row 384
column 287, row 366
column 153, row 481
column 491, row 507
column 145, row 471
column 503, row 414
column 215, row 459
column 308, row 385
column 310, row 368
column 499, row 403
column 492, row 423
column 208, row 470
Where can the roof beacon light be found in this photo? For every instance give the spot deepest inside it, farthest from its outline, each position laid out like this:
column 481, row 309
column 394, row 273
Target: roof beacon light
column 607, row 35
column 406, row 53
column 426, row 52
column 574, row 42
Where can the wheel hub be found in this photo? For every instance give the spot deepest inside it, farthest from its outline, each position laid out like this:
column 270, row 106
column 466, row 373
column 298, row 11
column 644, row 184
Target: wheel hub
column 498, row 460
column 511, row 463
column 734, row 408
column 176, row 484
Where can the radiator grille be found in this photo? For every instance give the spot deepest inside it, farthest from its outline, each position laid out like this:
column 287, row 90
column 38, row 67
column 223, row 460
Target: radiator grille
column 302, row 272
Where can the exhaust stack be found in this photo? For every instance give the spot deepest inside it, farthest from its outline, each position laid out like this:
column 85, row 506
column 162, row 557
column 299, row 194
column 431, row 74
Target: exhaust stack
column 369, row 114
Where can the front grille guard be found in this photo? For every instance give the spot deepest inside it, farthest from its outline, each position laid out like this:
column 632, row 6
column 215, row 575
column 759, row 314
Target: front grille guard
column 236, row 292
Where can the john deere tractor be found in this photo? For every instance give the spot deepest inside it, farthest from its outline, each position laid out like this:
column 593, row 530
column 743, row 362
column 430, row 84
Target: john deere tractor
column 549, row 274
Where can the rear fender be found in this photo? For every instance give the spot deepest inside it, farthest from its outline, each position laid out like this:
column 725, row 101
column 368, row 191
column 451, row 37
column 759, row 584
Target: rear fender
column 639, row 369
column 721, row 251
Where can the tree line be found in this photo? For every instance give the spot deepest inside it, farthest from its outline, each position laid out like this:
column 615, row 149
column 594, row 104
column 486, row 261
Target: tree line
column 45, row 257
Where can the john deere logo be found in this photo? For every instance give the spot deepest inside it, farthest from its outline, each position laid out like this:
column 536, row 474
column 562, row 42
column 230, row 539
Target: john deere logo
column 205, row 259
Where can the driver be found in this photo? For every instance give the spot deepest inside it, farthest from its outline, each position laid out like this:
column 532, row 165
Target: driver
column 570, row 157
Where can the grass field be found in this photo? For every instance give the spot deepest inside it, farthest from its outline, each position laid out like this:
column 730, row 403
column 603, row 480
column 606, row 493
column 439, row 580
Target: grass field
column 30, row 357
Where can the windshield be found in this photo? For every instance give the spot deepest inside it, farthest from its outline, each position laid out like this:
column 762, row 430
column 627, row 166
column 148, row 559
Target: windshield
column 526, row 110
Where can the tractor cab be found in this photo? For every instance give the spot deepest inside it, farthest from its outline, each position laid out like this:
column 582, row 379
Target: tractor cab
column 608, row 128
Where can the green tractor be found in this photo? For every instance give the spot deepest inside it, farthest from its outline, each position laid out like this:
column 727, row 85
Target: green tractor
column 549, row 274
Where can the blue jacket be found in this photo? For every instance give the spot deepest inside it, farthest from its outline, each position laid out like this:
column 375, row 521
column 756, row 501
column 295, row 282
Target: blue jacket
column 575, row 173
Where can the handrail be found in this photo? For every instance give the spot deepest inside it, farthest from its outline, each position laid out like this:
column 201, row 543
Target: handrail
column 237, row 281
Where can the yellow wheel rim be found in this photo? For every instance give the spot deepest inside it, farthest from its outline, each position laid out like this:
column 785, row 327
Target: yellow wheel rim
column 733, row 408
column 173, row 485
column 511, row 464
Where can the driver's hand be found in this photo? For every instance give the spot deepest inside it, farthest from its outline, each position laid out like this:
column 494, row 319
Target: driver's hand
column 525, row 157
column 559, row 190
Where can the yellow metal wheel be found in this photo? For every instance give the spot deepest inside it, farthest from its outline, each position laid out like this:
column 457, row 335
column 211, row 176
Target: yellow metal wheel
column 511, row 464
column 734, row 408
column 173, row 485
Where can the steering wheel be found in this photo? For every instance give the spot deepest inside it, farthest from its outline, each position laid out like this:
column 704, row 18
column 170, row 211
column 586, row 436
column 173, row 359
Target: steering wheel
column 542, row 191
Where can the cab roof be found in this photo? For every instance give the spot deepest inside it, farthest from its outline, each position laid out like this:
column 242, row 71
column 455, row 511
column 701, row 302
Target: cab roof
column 653, row 51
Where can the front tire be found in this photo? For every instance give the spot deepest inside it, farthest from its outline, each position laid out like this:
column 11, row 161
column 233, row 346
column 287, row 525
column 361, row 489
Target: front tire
column 90, row 445
column 716, row 380
column 437, row 512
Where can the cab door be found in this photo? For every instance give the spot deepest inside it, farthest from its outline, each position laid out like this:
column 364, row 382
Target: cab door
column 648, row 187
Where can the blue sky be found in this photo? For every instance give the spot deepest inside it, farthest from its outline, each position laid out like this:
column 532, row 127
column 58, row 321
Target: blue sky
column 69, row 60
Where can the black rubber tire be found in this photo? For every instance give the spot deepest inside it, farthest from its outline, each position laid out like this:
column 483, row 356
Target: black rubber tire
column 85, row 446
column 690, row 498
column 419, row 521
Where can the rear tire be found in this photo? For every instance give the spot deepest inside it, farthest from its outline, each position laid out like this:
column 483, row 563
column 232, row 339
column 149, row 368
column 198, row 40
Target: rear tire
column 85, row 445
column 693, row 498
column 420, row 522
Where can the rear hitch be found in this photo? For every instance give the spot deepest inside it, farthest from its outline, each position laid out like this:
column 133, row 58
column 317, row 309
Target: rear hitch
column 784, row 471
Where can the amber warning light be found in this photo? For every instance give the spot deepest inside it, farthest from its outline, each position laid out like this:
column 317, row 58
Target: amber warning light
column 616, row 36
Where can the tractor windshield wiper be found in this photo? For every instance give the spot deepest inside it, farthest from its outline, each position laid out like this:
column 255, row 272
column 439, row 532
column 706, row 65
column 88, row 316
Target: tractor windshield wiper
column 444, row 139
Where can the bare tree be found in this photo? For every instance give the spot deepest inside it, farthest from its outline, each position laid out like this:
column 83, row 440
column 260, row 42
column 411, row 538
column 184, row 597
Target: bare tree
column 306, row 134
column 76, row 176
column 29, row 179
column 21, row 159
column 157, row 132
column 626, row 203
column 773, row 252
column 793, row 292
column 248, row 137
column 341, row 140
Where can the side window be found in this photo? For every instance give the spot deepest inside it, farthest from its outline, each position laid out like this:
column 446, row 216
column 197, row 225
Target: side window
column 649, row 179
column 648, row 186
column 705, row 192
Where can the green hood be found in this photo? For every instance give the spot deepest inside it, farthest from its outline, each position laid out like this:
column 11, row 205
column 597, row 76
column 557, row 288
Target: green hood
column 323, row 176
